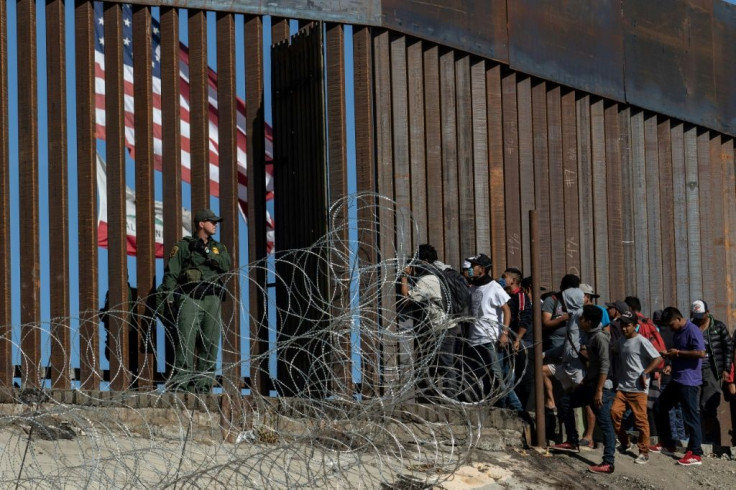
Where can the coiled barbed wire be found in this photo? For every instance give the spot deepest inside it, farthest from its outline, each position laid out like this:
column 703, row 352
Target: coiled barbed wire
column 346, row 376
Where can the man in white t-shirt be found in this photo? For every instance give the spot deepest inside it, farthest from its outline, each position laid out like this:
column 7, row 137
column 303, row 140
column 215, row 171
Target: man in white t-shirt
column 487, row 334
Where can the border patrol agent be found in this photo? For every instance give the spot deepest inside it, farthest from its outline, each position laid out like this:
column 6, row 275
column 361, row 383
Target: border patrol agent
column 192, row 285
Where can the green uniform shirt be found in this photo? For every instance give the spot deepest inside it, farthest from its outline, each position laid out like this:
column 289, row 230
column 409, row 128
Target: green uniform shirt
column 187, row 265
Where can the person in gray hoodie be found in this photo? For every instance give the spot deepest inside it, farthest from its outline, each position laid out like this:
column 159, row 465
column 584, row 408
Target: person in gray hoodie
column 569, row 371
column 595, row 390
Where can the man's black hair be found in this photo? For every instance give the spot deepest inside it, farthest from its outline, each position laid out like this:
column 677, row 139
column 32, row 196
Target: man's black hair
column 569, row 281
column 633, row 303
column 427, row 252
column 514, row 272
column 526, row 283
column 670, row 313
column 593, row 314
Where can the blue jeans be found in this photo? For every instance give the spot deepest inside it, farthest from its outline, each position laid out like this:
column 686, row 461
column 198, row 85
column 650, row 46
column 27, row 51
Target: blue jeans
column 688, row 397
column 487, row 370
column 581, row 396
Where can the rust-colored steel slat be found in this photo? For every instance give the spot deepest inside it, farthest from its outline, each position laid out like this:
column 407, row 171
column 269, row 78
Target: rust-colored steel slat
column 599, row 197
column 338, row 188
column 724, row 67
column 692, row 209
column 450, row 199
column 541, row 184
column 199, row 110
column 89, row 349
column 653, row 230
column 232, row 357
column 494, row 110
column 117, row 340
column 628, row 271
column 171, row 130
column 615, row 216
column 526, row 167
column 417, row 140
column 637, row 189
column 708, row 224
column 680, row 217
column 718, row 201
column 480, row 155
column 570, row 182
column 57, row 187
column 385, row 172
column 660, row 52
column 667, row 212
column 585, row 184
column 510, row 174
column 558, row 237
column 143, row 349
column 365, row 164
column 30, row 300
column 6, row 343
column 466, row 188
column 433, row 141
column 576, row 43
column 729, row 193
column 400, row 145
column 255, row 131
column 470, row 26
column 279, row 29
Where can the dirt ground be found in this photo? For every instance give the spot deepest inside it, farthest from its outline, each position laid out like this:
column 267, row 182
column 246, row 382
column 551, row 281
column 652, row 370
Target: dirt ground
column 521, row 469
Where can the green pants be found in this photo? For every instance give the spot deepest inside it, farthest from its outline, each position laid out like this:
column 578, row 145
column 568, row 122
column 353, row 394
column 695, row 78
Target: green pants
column 199, row 327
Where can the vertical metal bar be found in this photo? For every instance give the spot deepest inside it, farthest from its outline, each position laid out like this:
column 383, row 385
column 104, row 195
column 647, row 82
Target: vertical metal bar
column 510, row 182
column 385, row 173
column 585, row 186
column 667, row 210
column 537, row 316
column 680, row 217
column 654, row 233
column 57, row 187
column 600, row 210
column 729, row 186
column 338, row 189
column 400, row 143
column 637, row 188
column 496, row 155
column 526, row 165
column 466, row 188
column 30, row 301
column 542, row 185
column 697, row 270
column 142, row 352
column 279, row 29
column 558, row 235
column 628, row 271
column 229, row 210
column 6, row 342
column 570, row 183
column 89, row 348
column 365, row 165
column 480, row 155
column 417, row 142
column 199, row 110
column 717, row 231
column 256, row 158
column 615, row 226
column 433, row 142
column 171, row 129
column 450, row 189
column 116, row 207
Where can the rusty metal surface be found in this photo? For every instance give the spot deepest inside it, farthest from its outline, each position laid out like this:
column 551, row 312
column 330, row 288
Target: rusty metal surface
column 199, row 110
column 724, row 65
column 86, row 196
column 57, row 187
column 6, row 344
column 433, row 142
column 572, row 42
column 669, row 58
column 30, row 301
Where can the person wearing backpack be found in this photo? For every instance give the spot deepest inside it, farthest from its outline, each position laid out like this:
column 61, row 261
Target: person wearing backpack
column 522, row 330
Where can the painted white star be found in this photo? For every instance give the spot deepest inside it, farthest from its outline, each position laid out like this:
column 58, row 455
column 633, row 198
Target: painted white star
column 155, row 30
column 126, row 21
column 126, row 41
column 101, row 21
column 102, row 40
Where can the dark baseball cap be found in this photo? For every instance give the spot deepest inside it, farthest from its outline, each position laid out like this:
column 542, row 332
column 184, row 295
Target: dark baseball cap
column 621, row 306
column 206, row 215
column 628, row 317
column 481, row 259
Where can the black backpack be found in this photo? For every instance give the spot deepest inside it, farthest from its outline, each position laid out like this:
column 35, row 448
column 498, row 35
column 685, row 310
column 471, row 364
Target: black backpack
column 455, row 292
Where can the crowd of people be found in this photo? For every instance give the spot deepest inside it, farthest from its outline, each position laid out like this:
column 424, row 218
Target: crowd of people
column 664, row 375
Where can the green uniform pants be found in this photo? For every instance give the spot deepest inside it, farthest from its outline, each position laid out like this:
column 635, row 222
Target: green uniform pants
column 199, row 327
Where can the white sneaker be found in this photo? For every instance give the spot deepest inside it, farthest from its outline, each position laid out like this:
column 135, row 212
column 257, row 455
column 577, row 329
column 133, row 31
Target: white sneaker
column 642, row 459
